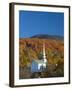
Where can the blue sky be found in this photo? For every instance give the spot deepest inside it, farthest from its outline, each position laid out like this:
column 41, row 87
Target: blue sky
column 33, row 22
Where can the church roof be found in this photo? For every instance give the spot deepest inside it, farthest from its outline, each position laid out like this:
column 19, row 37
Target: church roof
column 39, row 61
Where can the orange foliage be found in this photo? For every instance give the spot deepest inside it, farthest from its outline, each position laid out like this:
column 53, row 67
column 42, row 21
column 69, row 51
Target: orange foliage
column 54, row 50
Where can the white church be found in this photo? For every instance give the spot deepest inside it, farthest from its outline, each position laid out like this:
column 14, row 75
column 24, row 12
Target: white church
column 39, row 65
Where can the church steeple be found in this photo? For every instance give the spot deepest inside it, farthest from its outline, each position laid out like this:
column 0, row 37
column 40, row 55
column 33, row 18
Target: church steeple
column 44, row 54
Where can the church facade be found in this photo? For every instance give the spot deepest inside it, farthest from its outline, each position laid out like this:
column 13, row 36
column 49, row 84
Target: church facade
column 39, row 65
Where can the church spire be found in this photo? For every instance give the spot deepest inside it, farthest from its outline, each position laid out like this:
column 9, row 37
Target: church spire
column 44, row 54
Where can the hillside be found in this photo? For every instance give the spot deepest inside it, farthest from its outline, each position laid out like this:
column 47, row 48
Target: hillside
column 30, row 48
